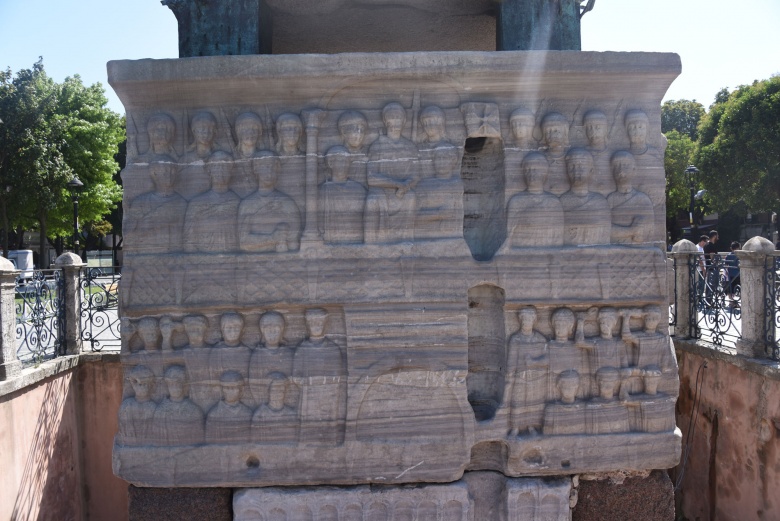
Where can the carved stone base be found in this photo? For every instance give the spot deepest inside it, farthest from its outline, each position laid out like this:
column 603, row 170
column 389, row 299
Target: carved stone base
column 648, row 498
column 174, row 504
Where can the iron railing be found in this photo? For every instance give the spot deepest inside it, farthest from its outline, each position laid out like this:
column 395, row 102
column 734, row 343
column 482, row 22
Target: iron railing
column 673, row 302
column 40, row 316
column 100, row 308
column 716, row 293
column 772, row 306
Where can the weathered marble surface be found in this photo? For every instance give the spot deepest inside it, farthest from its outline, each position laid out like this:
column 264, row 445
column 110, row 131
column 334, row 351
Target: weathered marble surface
column 394, row 268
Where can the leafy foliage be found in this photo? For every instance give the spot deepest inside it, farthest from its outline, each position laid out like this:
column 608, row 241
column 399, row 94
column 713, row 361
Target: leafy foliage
column 682, row 116
column 739, row 147
column 679, row 152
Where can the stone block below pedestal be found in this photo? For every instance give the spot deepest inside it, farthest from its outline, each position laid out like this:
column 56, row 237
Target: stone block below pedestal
column 649, row 498
column 175, row 504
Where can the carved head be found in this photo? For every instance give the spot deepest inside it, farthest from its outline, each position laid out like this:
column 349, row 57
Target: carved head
column 176, row 381
column 563, row 324
column 338, row 160
column 652, row 318
column 231, row 383
column 433, row 122
column 636, row 128
column 427, row 511
column 394, row 117
column 446, row 160
column 204, row 128
column 149, row 332
column 289, row 129
column 142, row 380
column 623, row 168
column 352, row 128
column 266, row 169
column 535, row 169
column 607, row 379
column 596, row 126
column 163, row 174
column 527, row 318
column 220, row 169
column 231, row 325
column 277, row 390
column 555, row 131
column 579, row 167
column 272, row 328
column 161, row 129
column 195, row 327
column 651, row 377
column 249, row 129
column 316, row 320
column 608, row 318
column 522, row 122
column 568, row 384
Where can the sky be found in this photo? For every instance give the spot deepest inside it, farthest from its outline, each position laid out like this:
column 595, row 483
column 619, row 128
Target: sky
column 722, row 43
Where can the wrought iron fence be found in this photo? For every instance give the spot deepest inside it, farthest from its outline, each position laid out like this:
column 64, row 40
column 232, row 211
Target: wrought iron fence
column 673, row 303
column 40, row 316
column 100, row 308
column 716, row 294
column 772, row 306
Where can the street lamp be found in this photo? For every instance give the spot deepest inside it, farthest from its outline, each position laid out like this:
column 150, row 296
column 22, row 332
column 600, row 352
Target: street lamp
column 75, row 185
column 692, row 172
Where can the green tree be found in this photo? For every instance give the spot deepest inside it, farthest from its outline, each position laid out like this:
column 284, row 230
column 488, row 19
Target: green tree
column 53, row 132
column 679, row 154
column 683, row 116
column 739, row 147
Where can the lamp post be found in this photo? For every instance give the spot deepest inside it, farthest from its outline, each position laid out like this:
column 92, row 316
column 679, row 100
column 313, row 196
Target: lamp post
column 692, row 172
column 75, row 185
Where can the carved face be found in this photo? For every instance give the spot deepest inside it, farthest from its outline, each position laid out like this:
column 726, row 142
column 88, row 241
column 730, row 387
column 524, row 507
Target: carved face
column 433, row 124
column 607, row 383
column 142, row 387
column 149, row 334
column 606, row 325
column 272, row 332
column 623, row 169
column 555, row 134
column 377, row 512
column 231, row 393
column 248, row 132
column 231, row 329
column 562, row 327
column 315, row 323
column 160, row 133
column 276, row 395
column 175, row 388
column 652, row 320
column 535, row 173
column 353, row 132
column 596, row 131
column 580, row 168
column 203, row 131
column 394, row 123
column 196, row 331
column 522, row 128
column 289, row 134
column 163, row 176
column 266, row 174
column 328, row 513
column 339, row 167
column 527, row 319
column 636, row 126
column 568, row 387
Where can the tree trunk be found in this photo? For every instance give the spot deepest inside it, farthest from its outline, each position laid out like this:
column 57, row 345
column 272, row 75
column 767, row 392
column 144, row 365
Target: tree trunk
column 42, row 248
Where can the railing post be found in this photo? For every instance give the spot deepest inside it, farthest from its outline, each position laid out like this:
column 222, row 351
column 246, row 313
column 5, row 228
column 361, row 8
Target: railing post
column 753, row 258
column 10, row 366
column 683, row 250
column 71, row 265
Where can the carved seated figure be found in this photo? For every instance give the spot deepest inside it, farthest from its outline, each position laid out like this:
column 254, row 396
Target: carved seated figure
column 632, row 210
column 566, row 416
column 353, row 129
column 229, row 420
column 177, row 419
column 277, row 421
column 586, row 214
column 210, row 224
column 440, row 198
column 156, row 219
column 268, row 220
column 136, row 413
column 433, row 123
column 392, row 177
column 605, row 415
column 270, row 357
column 341, row 201
column 528, row 363
column 535, row 217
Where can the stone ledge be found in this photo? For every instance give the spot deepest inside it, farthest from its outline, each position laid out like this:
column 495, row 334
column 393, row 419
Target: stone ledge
column 32, row 375
column 764, row 367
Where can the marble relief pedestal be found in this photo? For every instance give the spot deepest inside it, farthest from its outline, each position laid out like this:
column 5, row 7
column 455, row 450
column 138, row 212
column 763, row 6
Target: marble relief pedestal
column 393, row 269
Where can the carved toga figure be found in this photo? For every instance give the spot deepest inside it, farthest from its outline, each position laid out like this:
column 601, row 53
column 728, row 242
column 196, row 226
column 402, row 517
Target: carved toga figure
column 586, row 214
column 535, row 217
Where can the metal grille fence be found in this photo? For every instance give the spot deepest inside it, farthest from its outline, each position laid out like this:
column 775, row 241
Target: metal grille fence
column 40, row 320
column 100, row 308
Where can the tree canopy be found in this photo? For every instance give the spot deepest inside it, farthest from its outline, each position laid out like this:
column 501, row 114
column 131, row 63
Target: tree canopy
column 52, row 132
column 683, row 116
column 738, row 151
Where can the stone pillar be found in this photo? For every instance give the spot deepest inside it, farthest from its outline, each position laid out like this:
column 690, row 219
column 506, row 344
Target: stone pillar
column 216, row 28
column 525, row 25
column 9, row 364
column 682, row 252
column 71, row 265
column 312, row 120
column 753, row 261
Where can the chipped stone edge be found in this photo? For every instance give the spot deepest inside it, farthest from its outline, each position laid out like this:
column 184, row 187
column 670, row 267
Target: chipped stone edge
column 33, row 375
column 764, row 367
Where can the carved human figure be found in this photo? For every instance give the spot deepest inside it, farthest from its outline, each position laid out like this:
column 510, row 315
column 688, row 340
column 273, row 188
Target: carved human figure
column 650, row 177
column 604, row 414
column 155, row 220
column 636, row 122
column 632, row 210
column 528, row 363
column 392, row 177
column 319, row 371
column 177, row 419
column 586, row 214
column 535, row 217
column 597, row 130
column 434, row 123
column 136, row 414
column 271, row 357
column 555, row 136
column 210, row 224
column 289, row 130
column 229, row 420
column 342, row 201
column 564, row 354
column 440, row 198
column 605, row 350
column 204, row 133
column 353, row 129
column 196, row 359
column 229, row 355
column 161, row 130
column 249, row 145
column 149, row 356
column 522, row 122
column 168, row 327
column 654, row 351
column 268, row 220
column 277, row 421
column 566, row 416
column 427, row 511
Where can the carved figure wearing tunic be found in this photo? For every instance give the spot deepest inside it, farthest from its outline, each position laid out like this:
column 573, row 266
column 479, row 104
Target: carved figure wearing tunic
column 341, row 201
column 632, row 210
column 161, row 130
column 528, row 360
column 276, row 421
column 392, row 177
column 136, row 413
column 353, row 129
column 440, row 199
column 195, row 178
column 229, row 420
column 433, row 122
column 249, row 138
column 604, row 414
column 586, row 214
column 555, row 135
column 566, row 416
column 271, row 357
column 156, row 218
column 229, row 355
column 535, row 217
column 178, row 420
